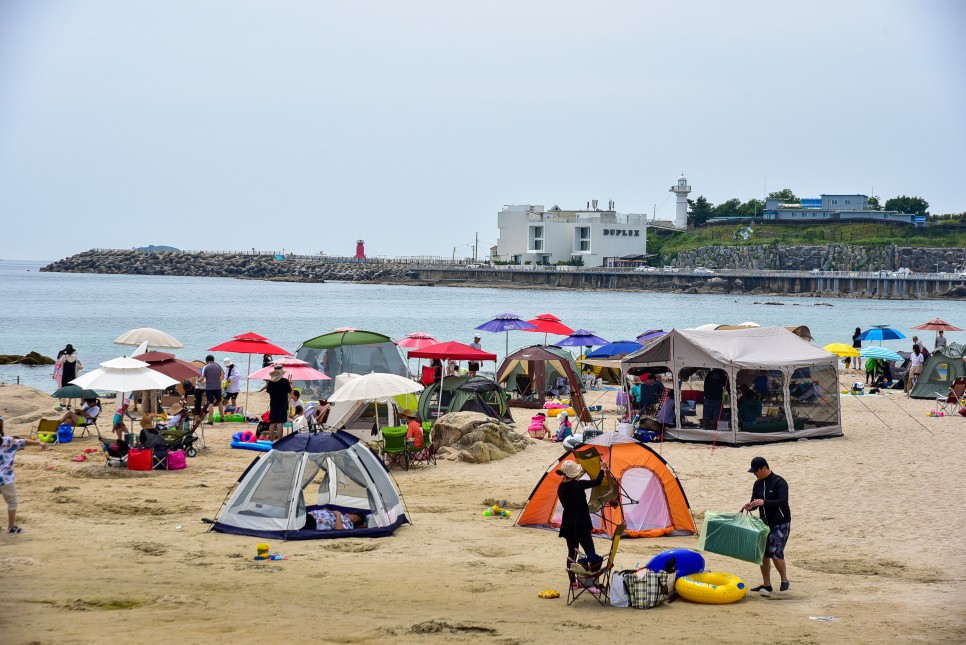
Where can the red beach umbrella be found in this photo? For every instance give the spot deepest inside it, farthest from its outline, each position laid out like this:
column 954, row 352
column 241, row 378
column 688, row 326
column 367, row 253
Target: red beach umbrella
column 250, row 343
column 937, row 324
column 549, row 324
column 452, row 350
column 169, row 365
column 417, row 340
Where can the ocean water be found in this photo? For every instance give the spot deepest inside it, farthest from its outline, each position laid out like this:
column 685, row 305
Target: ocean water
column 45, row 311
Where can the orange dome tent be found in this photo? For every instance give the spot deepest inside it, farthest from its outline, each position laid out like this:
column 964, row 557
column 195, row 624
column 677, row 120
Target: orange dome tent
column 651, row 501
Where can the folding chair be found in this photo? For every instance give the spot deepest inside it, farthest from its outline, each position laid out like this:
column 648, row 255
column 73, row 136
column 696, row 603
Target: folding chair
column 86, row 426
column 426, row 454
column 45, row 426
column 394, row 450
column 952, row 401
column 595, row 582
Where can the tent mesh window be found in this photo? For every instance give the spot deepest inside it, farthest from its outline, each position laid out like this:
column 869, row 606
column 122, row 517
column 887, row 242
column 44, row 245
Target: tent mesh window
column 767, row 388
column 262, row 495
column 814, row 395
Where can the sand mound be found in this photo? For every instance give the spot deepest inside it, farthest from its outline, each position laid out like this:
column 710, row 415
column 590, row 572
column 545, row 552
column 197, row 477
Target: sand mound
column 476, row 438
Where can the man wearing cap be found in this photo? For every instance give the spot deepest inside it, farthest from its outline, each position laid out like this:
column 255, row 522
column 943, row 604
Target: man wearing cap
column 474, row 366
column 770, row 496
column 213, row 376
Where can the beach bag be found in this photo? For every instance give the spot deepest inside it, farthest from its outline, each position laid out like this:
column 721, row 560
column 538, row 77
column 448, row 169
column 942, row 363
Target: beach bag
column 618, row 590
column 176, row 460
column 139, row 459
column 65, row 433
column 647, row 589
column 737, row 535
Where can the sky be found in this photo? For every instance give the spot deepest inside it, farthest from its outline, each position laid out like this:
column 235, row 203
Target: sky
column 307, row 125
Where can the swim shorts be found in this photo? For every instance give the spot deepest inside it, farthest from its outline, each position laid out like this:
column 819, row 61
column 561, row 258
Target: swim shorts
column 9, row 492
column 213, row 396
column 777, row 538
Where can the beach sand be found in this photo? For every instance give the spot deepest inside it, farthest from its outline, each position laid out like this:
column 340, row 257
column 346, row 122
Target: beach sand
column 879, row 519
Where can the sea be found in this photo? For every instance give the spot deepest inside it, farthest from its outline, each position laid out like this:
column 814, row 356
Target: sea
column 44, row 311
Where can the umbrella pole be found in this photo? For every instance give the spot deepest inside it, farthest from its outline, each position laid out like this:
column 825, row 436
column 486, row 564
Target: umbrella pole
column 248, row 382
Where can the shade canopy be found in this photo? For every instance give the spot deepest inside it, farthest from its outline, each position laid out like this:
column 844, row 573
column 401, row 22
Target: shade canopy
column 170, row 365
column 346, row 336
column 293, row 368
column 879, row 352
column 617, row 348
column 841, row 349
column 650, row 334
column 937, row 324
column 582, row 338
column 250, row 343
column 374, row 386
column 417, row 340
column 153, row 337
column 452, row 350
column 549, row 324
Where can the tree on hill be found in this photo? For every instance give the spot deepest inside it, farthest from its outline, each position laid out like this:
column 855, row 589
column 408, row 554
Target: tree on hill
column 730, row 208
column 873, row 203
column 904, row 204
column 784, row 195
column 752, row 208
column 700, row 211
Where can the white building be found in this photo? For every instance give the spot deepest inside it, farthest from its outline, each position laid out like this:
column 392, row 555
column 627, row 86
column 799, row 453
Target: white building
column 528, row 233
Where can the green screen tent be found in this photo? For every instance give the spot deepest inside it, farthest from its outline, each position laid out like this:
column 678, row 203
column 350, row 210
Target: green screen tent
column 942, row 368
column 464, row 394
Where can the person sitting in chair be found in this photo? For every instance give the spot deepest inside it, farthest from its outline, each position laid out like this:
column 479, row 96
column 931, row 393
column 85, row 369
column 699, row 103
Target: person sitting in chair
column 414, row 429
column 299, row 422
column 749, row 406
column 323, row 519
column 85, row 416
column 565, row 429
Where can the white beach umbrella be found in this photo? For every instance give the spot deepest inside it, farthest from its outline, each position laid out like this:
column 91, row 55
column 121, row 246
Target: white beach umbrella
column 375, row 387
column 748, row 324
column 708, row 327
column 153, row 337
column 124, row 375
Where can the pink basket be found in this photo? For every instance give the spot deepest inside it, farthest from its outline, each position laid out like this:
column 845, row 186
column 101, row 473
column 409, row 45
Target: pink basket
column 176, row 460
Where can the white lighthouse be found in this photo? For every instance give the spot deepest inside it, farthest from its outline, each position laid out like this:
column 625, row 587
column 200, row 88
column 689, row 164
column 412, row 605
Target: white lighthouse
column 681, row 189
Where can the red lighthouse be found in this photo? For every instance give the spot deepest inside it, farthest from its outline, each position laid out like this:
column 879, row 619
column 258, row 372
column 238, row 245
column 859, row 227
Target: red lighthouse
column 360, row 250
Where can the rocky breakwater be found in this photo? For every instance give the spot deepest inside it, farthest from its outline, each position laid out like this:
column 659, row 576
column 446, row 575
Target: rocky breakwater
column 231, row 265
column 830, row 257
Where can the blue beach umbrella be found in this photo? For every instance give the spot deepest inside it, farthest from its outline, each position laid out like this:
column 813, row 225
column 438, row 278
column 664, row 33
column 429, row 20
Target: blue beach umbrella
column 879, row 352
column 881, row 332
column 617, row 348
column 506, row 323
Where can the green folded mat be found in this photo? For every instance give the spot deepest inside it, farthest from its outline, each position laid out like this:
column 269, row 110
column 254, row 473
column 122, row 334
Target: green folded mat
column 737, row 535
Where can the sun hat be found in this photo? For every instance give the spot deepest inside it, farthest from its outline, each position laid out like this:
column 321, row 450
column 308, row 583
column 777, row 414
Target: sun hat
column 276, row 373
column 147, row 422
column 409, row 414
column 177, row 408
column 757, row 464
column 571, row 469
column 228, row 362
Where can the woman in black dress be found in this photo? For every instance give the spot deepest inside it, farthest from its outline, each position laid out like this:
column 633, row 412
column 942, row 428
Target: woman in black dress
column 575, row 524
column 69, row 364
column 278, row 389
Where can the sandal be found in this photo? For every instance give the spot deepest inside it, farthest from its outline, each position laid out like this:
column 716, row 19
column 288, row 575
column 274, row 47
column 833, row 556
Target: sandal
column 80, row 458
column 15, row 529
column 89, row 450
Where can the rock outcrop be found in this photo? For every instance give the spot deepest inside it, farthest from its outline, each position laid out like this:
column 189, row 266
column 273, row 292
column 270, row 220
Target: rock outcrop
column 475, row 438
column 31, row 359
column 830, row 257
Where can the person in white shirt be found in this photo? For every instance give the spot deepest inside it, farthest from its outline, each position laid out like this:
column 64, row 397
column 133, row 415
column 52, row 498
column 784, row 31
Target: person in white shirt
column 474, row 366
column 916, row 361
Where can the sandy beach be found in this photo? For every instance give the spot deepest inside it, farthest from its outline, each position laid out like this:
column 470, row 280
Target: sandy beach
column 111, row 555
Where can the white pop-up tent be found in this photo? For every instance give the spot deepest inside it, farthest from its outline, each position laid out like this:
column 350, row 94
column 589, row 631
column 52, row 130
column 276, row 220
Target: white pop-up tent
column 795, row 384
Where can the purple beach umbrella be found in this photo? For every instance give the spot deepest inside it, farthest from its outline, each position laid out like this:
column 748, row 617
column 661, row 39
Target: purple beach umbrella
column 582, row 338
column 650, row 334
column 506, row 323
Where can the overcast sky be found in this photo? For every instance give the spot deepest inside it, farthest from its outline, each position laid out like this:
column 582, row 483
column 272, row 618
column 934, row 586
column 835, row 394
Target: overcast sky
column 305, row 125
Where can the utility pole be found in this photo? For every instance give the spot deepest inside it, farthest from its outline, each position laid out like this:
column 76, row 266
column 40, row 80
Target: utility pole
column 476, row 247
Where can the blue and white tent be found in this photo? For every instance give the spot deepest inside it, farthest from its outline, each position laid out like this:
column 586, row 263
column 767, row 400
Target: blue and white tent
column 269, row 500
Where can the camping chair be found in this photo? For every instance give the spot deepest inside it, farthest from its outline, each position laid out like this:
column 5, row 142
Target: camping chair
column 608, row 491
column 426, row 454
column 86, row 426
column 394, row 450
column 115, row 452
column 524, row 387
column 47, row 427
column 596, row 582
column 952, row 401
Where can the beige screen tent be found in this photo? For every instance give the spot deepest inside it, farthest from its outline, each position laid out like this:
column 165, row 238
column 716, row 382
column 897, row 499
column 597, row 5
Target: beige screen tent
column 795, row 383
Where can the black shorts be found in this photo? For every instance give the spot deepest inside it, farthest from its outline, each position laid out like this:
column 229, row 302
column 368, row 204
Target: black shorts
column 231, row 396
column 213, row 396
column 473, row 367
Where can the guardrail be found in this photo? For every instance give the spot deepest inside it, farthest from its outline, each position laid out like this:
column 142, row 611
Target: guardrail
column 772, row 273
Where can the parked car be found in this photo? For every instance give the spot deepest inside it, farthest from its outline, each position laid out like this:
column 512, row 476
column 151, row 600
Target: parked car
column 645, row 269
column 704, row 271
column 669, row 268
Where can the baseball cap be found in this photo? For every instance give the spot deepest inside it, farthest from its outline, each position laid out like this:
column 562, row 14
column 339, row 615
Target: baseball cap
column 757, row 464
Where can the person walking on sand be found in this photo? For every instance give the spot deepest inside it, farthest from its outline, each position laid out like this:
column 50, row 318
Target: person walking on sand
column 770, row 496
column 70, row 365
column 213, row 376
column 8, row 489
column 575, row 524
column 916, row 361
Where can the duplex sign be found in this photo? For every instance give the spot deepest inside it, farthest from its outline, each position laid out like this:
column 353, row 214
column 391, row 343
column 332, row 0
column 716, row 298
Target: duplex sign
column 625, row 232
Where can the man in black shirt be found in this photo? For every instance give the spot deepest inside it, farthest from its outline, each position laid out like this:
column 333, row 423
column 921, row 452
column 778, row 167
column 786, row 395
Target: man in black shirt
column 714, row 385
column 770, row 496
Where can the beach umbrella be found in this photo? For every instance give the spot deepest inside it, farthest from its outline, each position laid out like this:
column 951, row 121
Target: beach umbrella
column 345, row 336
column 294, row 368
column 506, row 323
column 249, row 343
column 417, row 340
column 707, row 327
column 879, row 352
column 650, row 335
column 375, row 386
column 153, row 337
column 451, row 350
column 615, row 349
column 549, row 324
column 841, row 349
column 582, row 338
column 881, row 332
column 169, row 365
column 124, row 375
column 748, row 324
column 71, row 392
column 937, row 325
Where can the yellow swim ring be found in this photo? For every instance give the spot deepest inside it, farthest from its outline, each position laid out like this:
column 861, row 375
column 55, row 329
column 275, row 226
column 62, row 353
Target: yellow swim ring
column 711, row 588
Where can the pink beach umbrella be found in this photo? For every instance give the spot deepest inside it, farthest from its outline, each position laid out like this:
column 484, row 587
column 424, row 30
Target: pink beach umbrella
column 294, row 368
column 417, row 340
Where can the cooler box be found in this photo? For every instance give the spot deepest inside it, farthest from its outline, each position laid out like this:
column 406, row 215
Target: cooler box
column 737, row 535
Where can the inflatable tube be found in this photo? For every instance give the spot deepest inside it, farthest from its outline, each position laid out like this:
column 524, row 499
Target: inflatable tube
column 262, row 446
column 688, row 562
column 711, row 588
column 553, row 412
